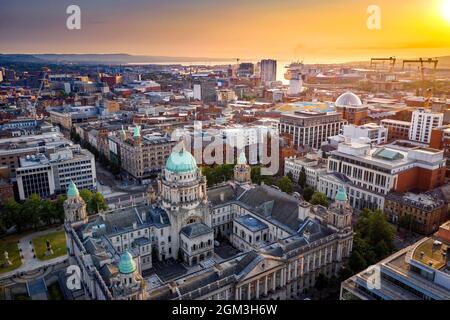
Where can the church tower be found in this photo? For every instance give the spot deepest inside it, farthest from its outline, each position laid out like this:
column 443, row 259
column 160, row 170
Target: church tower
column 242, row 171
column 183, row 195
column 340, row 211
column 129, row 284
column 74, row 206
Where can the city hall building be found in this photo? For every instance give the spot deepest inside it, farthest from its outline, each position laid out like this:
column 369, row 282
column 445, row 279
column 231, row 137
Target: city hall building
column 169, row 248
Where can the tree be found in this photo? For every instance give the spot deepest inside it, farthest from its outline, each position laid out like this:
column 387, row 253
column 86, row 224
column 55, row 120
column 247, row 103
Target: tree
column 308, row 193
column 255, row 174
column 357, row 262
column 319, row 198
column 290, row 176
column 47, row 214
column 322, row 282
column 87, row 195
column 31, row 210
column 10, row 213
column 373, row 240
column 59, row 208
column 285, row 184
column 302, row 178
column 98, row 202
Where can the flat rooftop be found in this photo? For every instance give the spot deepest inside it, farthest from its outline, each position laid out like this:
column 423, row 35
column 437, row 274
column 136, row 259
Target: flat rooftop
column 431, row 253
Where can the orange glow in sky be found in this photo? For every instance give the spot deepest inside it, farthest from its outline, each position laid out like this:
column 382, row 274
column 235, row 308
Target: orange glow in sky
column 317, row 31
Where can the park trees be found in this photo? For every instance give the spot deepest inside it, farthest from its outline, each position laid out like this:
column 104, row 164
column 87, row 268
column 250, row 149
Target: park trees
column 308, row 193
column 302, row 178
column 373, row 240
column 319, row 198
column 285, row 184
column 94, row 201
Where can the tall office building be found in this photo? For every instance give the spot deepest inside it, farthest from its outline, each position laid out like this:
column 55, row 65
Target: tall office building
column 308, row 128
column 268, row 70
column 47, row 174
column 205, row 91
column 422, row 123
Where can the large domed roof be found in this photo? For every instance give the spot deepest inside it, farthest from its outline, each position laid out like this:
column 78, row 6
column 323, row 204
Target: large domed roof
column 348, row 99
column 181, row 161
column 127, row 264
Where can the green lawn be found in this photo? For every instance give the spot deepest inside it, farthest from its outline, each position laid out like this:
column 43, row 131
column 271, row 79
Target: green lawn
column 57, row 241
column 9, row 244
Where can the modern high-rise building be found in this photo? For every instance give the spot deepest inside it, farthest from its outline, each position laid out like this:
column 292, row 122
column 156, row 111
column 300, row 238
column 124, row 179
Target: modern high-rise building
column 422, row 123
column 205, row 91
column 268, row 70
column 245, row 69
column 308, row 128
column 51, row 173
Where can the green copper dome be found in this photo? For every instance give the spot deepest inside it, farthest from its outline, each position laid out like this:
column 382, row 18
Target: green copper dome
column 341, row 195
column 181, row 161
column 72, row 190
column 136, row 132
column 127, row 264
column 242, row 159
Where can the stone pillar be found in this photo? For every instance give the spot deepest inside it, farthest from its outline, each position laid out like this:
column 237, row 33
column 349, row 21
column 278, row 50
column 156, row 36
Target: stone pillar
column 249, row 291
column 257, row 289
column 265, row 284
column 236, row 294
column 289, row 272
column 274, row 279
column 296, row 269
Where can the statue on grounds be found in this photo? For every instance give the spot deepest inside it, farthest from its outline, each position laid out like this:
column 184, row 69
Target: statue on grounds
column 49, row 251
column 7, row 262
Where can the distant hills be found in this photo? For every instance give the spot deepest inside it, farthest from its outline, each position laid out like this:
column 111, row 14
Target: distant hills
column 116, row 58
column 123, row 58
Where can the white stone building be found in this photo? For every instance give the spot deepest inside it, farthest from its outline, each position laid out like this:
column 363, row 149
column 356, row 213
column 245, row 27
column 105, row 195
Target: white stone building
column 282, row 243
column 312, row 165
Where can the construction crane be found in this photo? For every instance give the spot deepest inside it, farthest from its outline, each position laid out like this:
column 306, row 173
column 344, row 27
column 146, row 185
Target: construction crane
column 428, row 97
column 390, row 59
column 422, row 61
column 33, row 107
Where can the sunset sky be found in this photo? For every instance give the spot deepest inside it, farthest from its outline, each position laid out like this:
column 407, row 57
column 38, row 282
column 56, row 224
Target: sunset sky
column 314, row 30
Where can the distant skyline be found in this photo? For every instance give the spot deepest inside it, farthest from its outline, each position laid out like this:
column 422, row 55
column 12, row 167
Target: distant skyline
column 314, row 30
